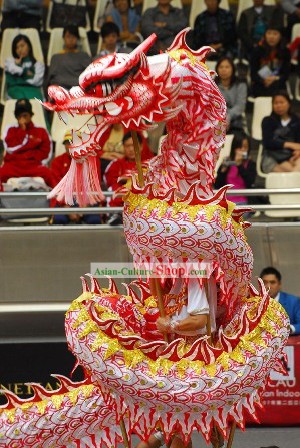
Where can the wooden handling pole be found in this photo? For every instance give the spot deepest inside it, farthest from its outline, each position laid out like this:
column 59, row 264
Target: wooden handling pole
column 231, row 435
column 233, row 426
column 124, row 434
column 216, row 435
column 141, row 179
column 138, row 159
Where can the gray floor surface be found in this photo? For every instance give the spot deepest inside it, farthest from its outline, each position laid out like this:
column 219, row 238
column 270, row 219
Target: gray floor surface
column 258, row 437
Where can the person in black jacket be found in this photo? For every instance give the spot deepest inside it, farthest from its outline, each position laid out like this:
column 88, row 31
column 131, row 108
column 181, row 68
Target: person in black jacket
column 270, row 64
column 253, row 23
column 238, row 170
column 281, row 137
column 215, row 27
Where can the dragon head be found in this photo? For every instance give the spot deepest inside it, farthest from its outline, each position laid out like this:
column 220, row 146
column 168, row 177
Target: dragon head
column 137, row 90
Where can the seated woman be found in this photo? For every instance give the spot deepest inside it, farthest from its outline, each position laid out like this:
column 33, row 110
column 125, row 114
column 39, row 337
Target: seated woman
column 234, row 92
column 66, row 66
column 270, row 64
column 24, row 74
column 127, row 21
column 238, row 170
column 281, row 137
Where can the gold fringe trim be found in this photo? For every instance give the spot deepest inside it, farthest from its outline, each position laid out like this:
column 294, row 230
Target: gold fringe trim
column 56, row 400
column 250, row 342
column 139, row 202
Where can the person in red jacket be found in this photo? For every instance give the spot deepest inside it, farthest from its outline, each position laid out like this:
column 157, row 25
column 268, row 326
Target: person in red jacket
column 122, row 168
column 27, row 147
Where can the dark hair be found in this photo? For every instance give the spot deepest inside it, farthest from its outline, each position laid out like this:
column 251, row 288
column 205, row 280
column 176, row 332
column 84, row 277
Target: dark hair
column 22, row 106
column 280, row 48
column 233, row 78
column 285, row 95
column 26, row 39
column 109, row 28
column 71, row 29
column 128, row 135
column 271, row 271
column 128, row 1
column 237, row 143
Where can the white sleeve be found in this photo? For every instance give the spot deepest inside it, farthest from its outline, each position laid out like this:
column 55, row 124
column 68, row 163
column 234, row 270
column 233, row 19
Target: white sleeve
column 39, row 70
column 197, row 300
column 199, row 303
column 11, row 67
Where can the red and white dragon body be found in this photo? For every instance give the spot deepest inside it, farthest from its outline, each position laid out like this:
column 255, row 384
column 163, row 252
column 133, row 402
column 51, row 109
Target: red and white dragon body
column 132, row 372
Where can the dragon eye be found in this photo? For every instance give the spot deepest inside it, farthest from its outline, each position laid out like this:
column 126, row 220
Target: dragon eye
column 102, row 89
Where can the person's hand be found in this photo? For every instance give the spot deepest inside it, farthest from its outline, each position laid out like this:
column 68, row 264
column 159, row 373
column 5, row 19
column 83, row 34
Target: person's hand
column 163, row 324
column 239, row 156
column 270, row 79
column 23, row 123
column 36, row 140
column 292, row 145
column 295, row 156
column 160, row 24
column 216, row 46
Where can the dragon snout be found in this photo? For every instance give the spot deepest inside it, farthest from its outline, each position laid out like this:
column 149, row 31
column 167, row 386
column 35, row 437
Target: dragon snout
column 58, row 94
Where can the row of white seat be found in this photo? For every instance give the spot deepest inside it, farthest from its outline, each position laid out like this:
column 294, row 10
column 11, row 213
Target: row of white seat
column 56, row 44
column 262, row 107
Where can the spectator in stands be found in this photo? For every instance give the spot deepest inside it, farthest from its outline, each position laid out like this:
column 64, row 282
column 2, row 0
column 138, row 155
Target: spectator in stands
column 253, row 24
column 127, row 20
column 121, row 168
column 281, row 137
column 66, row 66
column 21, row 14
column 272, row 279
column 238, row 170
column 138, row 6
column 28, row 148
column 216, row 27
column 60, row 166
column 270, row 64
column 24, row 74
column 234, row 92
column 292, row 9
column 113, row 147
column 165, row 21
column 110, row 34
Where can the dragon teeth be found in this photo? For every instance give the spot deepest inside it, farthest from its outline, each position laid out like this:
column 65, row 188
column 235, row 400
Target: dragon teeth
column 113, row 109
column 64, row 117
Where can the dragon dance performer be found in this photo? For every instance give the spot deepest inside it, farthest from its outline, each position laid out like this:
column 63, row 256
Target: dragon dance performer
column 191, row 308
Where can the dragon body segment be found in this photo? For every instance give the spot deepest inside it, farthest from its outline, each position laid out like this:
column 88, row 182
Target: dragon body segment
column 132, row 372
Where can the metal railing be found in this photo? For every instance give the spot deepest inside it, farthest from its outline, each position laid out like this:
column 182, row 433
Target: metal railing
column 48, row 211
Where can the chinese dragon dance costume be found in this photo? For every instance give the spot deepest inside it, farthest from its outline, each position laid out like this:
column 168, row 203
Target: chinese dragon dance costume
column 132, row 373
